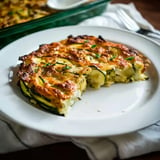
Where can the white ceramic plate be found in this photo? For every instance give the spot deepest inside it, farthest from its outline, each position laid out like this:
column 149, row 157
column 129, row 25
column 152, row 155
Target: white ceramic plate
column 121, row 108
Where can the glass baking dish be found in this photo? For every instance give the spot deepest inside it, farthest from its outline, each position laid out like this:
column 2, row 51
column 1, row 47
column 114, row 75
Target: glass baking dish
column 62, row 18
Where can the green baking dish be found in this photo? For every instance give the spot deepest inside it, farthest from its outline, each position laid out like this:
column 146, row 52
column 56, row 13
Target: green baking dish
column 62, row 18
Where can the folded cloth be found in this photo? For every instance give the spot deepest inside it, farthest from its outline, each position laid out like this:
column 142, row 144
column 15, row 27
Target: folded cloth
column 14, row 137
column 110, row 18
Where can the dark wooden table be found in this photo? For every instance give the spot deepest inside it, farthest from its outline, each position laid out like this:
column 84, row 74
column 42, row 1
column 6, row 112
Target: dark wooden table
column 150, row 9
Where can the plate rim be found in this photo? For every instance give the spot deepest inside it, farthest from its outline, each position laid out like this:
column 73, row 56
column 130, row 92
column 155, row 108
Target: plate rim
column 76, row 134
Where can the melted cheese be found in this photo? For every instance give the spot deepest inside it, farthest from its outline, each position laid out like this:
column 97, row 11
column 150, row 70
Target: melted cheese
column 60, row 71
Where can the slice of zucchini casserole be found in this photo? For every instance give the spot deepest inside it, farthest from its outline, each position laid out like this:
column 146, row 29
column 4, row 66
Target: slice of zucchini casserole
column 56, row 74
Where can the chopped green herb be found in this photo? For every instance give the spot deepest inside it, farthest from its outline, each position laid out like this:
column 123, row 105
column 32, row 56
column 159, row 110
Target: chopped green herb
column 113, row 57
column 97, row 55
column 129, row 58
column 93, row 46
column 11, row 13
column 60, row 63
column 41, row 79
column 86, row 41
column 67, row 67
column 47, row 64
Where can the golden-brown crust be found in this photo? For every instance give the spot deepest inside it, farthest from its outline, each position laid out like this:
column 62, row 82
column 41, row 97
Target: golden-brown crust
column 54, row 69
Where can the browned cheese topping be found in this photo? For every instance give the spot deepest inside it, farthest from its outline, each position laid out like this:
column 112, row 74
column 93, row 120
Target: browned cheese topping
column 57, row 70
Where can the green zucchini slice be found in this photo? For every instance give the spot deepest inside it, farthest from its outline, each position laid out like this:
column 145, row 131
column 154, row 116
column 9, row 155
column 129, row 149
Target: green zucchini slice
column 37, row 99
column 50, row 109
column 24, row 89
column 96, row 78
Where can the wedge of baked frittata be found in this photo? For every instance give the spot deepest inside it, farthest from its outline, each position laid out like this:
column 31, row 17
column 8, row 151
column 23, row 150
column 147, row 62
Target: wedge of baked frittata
column 56, row 74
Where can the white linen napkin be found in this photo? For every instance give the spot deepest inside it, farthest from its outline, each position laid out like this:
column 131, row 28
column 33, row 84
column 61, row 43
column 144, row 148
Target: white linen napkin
column 110, row 18
column 14, row 137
